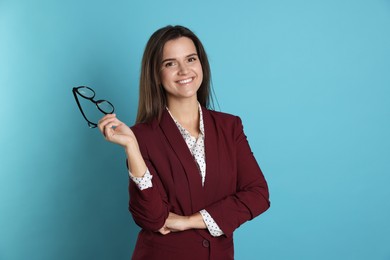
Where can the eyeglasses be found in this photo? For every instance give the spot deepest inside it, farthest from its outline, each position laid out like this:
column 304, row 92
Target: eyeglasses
column 104, row 106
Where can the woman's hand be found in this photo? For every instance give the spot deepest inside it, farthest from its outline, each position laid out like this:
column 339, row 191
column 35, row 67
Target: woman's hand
column 164, row 230
column 174, row 223
column 116, row 131
column 177, row 223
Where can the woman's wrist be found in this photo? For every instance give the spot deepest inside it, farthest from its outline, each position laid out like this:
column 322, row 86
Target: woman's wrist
column 195, row 221
column 135, row 161
column 130, row 147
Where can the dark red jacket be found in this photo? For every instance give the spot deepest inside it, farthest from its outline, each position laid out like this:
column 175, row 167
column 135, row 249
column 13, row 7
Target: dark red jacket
column 235, row 190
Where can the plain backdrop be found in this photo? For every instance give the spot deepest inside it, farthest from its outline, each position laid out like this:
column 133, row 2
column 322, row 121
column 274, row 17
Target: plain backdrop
column 310, row 80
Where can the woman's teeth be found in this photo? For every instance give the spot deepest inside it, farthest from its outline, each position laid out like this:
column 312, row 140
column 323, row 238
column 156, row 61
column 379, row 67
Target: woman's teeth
column 185, row 81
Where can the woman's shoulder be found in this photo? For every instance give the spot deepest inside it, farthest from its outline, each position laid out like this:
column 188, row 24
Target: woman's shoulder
column 225, row 120
column 223, row 117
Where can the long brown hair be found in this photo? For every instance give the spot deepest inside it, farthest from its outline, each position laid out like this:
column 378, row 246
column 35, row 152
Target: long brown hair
column 152, row 96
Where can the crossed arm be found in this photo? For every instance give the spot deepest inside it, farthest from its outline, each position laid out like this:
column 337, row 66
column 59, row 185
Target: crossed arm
column 150, row 207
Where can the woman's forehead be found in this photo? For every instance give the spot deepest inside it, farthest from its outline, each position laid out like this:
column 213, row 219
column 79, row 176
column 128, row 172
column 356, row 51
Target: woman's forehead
column 180, row 47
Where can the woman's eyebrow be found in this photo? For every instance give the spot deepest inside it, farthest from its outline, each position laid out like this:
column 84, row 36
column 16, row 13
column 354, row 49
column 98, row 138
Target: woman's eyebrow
column 169, row 59
column 173, row 59
column 193, row 54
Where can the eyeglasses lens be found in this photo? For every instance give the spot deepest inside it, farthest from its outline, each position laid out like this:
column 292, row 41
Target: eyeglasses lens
column 105, row 107
column 86, row 92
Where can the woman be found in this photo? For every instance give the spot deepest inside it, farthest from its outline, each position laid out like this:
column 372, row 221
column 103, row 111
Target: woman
column 193, row 177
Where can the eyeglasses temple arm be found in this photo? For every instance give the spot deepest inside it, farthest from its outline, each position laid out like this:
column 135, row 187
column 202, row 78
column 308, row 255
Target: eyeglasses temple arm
column 90, row 124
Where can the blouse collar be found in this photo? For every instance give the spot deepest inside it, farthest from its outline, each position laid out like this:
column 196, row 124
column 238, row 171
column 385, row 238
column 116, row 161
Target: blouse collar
column 182, row 129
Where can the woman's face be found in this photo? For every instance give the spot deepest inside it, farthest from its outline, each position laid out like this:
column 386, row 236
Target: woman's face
column 181, row 71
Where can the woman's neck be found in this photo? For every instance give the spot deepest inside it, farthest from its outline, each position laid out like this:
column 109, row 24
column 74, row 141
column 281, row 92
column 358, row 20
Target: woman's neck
column 186, row 112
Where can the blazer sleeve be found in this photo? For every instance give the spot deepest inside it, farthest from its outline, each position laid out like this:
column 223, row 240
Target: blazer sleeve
column 251, row 197
column 149, row 207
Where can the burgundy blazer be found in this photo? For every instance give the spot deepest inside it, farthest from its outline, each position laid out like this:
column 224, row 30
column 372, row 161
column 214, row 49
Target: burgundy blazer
column 234, row 191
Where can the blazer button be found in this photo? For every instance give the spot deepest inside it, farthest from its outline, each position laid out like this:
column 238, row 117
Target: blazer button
column 206, row 243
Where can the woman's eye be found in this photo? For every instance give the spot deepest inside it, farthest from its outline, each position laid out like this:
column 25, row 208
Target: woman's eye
column 192, row 59
column 169, row 64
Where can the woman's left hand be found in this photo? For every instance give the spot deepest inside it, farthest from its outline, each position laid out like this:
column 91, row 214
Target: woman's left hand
column 176, row 223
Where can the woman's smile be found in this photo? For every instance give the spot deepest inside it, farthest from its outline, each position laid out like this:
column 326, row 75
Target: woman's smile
column 185, row 81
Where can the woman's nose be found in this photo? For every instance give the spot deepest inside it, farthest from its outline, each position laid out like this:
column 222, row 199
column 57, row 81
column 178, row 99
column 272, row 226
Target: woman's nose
column 183, row 69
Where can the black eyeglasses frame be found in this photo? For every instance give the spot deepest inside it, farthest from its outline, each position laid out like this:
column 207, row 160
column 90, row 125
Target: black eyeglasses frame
column 76, row 92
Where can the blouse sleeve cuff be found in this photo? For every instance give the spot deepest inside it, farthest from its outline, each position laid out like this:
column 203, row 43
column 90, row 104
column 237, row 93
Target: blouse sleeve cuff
column 143, row 182
column 211, row 225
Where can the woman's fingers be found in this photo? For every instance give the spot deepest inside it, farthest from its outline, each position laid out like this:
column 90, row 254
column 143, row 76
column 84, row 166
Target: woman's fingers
column 103, row 121
column 176, row 222
column 108, row 120
column 114, row 130
column 109, row 130
column 164, row 230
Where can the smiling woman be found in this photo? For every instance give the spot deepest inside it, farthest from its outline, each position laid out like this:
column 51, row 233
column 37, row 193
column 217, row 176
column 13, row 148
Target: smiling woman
column 184, row 210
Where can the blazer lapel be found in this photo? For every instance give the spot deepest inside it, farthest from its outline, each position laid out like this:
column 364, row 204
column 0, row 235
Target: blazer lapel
column 184, row 155
column 212, row 158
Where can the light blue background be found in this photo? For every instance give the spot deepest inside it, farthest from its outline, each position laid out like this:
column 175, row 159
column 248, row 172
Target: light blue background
column 310, row 80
